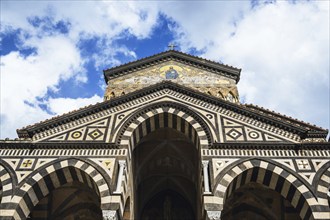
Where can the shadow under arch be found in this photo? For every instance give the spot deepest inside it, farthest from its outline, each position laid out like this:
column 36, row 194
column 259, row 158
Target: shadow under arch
column 52, row 176
column 160, row 132
column 164, row 114
column 166, row 160
column 270, row 175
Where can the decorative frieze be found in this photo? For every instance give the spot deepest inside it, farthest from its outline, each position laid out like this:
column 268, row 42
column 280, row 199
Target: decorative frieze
column 273, row 152
column 62, row 152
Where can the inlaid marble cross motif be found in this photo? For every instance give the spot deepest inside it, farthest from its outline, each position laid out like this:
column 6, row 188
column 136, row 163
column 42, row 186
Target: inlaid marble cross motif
column 303, row 164
column 27, row 163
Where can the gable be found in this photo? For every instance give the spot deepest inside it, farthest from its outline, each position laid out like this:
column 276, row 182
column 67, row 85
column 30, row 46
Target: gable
column 203, row 80
column 172, row 55
column 227, row 122
column 238, row 131
column 93, row 131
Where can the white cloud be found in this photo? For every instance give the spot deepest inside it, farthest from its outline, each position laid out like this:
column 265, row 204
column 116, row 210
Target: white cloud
column 63, row 105
column 203, row 25
column 23, row 79
column 57, row 57
column 282, row 48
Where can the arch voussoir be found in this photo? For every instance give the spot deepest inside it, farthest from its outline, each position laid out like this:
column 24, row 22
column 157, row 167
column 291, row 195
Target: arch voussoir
column 51, row 177
column 273, row 177
column 165, row 115
column 7, row 186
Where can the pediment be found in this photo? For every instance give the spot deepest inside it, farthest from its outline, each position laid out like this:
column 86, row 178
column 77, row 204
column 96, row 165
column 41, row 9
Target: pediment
column 205, row 76
column 175, row 56
column 236, row 131
column 94, row 131
column 228, row 122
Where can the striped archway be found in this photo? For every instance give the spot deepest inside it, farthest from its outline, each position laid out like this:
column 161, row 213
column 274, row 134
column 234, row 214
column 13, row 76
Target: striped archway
column 322, row 183
column 41, row 183
column 171, row 115
column 273, row 177
column 6, row 186
column 165, row 115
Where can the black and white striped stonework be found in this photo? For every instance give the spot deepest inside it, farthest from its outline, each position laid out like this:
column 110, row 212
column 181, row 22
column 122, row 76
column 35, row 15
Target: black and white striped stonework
column 164, row 117
column 323, row 190
column 52, row 177
column 6, row 185
column 275, row 178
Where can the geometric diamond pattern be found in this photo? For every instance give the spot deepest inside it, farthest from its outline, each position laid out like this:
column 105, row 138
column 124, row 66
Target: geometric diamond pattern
column 95, row 134
column 234, row 134
column 237, row 131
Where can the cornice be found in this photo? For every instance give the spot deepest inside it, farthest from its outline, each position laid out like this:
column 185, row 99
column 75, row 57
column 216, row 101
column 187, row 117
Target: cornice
column 302, row 129
column 273, row 146
column 314, row 130
column 98, row 145
column 57, row 145
column 218, row 68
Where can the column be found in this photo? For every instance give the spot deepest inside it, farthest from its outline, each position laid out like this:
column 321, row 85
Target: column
column 205, row 164
column 122, row 166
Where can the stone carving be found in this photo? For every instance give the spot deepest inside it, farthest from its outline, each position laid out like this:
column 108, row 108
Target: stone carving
column 110, row 215
column 214, row 215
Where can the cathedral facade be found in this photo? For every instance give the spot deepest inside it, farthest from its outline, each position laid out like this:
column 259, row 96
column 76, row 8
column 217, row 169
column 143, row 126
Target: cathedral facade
column 170, row 141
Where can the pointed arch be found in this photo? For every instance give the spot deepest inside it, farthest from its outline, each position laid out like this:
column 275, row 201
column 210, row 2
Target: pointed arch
column 271, row 176
column 230, row 97
column 52, row 176
column 162, row 115
column 220, row 95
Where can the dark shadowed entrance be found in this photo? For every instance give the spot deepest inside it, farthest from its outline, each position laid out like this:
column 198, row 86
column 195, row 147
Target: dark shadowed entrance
column 167, row 205
column 257, row 202
column 72, row 200
column 166, row 177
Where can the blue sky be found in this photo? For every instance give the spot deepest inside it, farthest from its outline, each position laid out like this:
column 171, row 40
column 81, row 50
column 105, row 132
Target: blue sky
column 53, row 52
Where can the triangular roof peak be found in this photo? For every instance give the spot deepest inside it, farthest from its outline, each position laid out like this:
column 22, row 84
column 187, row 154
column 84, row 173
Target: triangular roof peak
column 212, row 66
column 304, row 130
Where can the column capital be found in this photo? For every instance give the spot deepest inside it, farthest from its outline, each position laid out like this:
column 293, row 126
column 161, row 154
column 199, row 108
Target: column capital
column 214, row 215
column 205, row 163
column 110, row 215
column 122, row 163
